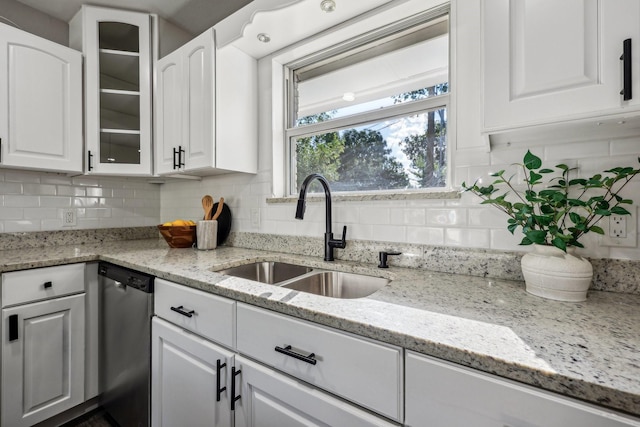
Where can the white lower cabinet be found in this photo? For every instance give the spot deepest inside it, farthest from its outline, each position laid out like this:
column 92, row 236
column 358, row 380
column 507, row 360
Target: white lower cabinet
column 441, row 394
column 268, row 398
column 43, row 343
column 197, row 381
column 189, row 379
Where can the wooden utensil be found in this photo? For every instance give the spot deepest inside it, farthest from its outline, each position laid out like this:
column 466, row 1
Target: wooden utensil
column 207, row 205
column 219, row 210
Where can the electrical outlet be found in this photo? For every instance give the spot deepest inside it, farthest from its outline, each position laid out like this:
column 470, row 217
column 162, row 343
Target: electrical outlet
column 621, row 230
column 69, row 218
column 618, row 226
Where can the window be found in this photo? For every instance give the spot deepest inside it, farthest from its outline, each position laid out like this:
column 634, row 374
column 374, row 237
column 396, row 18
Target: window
column 371, row 113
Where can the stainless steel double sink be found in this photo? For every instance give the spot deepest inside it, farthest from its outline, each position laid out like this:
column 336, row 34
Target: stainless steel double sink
column 329, row 283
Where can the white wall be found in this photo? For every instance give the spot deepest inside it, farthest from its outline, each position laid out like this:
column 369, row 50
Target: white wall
column 34, row 21
column 32, row 201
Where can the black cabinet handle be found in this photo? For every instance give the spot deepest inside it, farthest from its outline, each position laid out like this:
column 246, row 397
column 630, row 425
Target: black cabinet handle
column 89, row 157
column 47, row 285
column 182, row 311
column 234, row 373
column 311, row 358
column 13, row 327
column 626, row 70
column 180, row 159
column 219, row 366
column 176, row 165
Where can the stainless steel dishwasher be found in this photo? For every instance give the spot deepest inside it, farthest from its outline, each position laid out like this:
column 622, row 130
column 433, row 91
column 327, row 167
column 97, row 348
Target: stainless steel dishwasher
column 126, row 307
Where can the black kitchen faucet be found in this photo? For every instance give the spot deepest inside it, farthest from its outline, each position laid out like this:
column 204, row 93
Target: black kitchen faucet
column 329, row 242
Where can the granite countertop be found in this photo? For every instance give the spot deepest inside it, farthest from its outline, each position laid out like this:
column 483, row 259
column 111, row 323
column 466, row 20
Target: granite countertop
column 587, row 350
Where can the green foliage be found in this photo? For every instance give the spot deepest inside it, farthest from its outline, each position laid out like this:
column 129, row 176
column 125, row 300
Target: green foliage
column 564, row 210
column 366, row 163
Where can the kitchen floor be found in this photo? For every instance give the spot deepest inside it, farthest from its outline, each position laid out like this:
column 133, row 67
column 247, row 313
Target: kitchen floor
column 95, row 419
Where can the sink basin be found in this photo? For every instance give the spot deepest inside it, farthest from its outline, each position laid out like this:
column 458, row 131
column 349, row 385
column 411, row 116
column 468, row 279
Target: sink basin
column 337, row 284
column 267, row 272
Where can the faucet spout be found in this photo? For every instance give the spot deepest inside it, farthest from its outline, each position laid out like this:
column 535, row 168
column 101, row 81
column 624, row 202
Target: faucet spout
column 329, row 242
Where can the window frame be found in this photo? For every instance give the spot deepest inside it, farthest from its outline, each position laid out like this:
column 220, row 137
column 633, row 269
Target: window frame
column 275, row 69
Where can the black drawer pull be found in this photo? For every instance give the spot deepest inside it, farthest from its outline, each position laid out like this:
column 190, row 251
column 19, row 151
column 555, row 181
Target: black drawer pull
column 234, row 373
column 13, row 327
column 219, row 390
column 287, row 350
column 47, row 285
column 182, row 311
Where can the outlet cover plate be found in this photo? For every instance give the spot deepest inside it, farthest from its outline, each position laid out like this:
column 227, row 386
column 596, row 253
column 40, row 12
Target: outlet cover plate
column 69, row 218
column 631, row 238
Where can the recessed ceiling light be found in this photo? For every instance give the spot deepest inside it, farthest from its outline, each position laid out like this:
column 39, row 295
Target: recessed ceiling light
column 328, row 5
column 349, row 96
column 264, row 38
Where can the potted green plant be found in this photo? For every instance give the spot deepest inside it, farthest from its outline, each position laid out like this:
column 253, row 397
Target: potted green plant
column 554, row 210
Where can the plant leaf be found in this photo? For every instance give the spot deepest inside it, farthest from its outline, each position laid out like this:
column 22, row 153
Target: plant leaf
column 559, row 243
column 532, row 161
column 618, row 210
column 536, row 236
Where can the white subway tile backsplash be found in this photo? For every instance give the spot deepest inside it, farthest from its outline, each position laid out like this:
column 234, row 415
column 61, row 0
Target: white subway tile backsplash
column 40, row 213
column 387, row 233
column 10, row 188
column 484, row 217
column 85, row 181
column 56, row 179
column 425, row 235
column 39, row 189
column 21, row 201
column 55, row 201
column 16, row 226
column 21, row 176
column 33, row 201
column 466, row 237
column 11, row 213
column 446, row 217
column 374, row 215
column 64, row 190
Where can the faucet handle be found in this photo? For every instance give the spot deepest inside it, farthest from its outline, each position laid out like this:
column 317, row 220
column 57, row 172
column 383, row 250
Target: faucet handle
column 343, row 241
column 383, row 258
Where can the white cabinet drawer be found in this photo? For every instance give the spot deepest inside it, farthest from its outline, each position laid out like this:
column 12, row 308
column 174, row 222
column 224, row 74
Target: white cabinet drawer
column 23, row 286
column 205, row 314
column 363, row 371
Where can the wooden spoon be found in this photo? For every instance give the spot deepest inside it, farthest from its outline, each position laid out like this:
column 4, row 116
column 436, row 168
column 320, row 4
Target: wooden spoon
column 219, row 210
column 207, row 205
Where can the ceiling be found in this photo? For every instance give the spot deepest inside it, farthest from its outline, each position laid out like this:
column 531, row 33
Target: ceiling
column 195, row 16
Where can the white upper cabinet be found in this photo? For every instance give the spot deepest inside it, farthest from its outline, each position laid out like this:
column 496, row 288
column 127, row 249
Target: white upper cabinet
column 118, row 114
column 40, row 103
column 206, row 110
column 547, row 61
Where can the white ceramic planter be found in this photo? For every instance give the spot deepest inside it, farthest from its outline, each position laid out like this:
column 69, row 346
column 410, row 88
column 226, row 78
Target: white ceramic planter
column 551, row 273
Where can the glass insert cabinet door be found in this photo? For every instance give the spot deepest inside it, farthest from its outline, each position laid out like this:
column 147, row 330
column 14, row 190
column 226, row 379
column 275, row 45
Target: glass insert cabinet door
column 118, row 91
column 119, row 65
